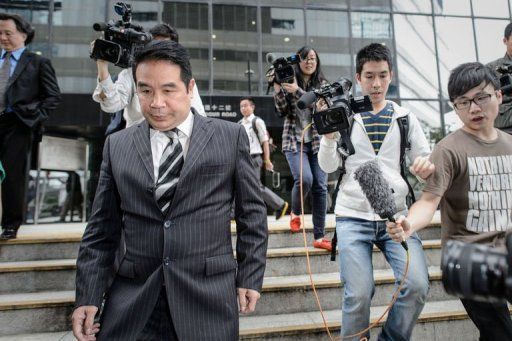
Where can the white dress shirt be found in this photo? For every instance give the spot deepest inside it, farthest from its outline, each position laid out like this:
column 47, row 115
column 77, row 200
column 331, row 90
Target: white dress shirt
column 121, row 95
column 255, row 141
column 159, row 141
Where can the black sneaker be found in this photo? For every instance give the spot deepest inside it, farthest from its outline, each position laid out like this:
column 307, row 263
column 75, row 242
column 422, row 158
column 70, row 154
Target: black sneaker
column 282, row 211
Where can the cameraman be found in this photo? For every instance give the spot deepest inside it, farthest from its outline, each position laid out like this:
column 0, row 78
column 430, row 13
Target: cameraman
column 472, row 183
column 121, row 94
column 504, row 119
column 376, row 136
column 308, row 76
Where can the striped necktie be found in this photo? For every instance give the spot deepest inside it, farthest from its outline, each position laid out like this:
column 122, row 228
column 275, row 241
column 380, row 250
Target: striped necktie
column 169, row 171
column 4, row 79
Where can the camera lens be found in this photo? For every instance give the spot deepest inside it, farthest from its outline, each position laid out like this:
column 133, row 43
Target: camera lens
column 474, row 271
column 337, row 114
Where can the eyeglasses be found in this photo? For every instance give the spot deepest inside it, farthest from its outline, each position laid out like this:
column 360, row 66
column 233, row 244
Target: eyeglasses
column 479, row 100
column 309, row 60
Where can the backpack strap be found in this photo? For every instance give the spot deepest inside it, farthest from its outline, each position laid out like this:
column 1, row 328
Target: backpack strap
column 405, row 144
column 255, row 128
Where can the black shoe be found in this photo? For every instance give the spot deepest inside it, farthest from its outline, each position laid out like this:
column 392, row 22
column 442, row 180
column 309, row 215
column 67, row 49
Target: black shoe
column 9, row 233
column 282, row 211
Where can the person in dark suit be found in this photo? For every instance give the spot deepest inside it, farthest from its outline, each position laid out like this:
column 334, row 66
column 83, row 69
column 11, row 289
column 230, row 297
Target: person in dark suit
column 28, row 90
column 168, row 183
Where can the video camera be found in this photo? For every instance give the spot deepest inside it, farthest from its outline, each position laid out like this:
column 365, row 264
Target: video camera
column 122, row 38
column 281, row 70
column 340, row 105
column 477, row 272
column 506, row 78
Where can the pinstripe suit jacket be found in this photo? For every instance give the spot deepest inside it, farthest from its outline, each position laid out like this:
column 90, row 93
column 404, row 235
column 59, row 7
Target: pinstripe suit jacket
column 189, row 249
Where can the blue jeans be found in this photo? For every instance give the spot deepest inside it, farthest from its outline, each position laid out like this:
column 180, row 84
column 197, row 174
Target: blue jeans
column 314, row 179
column 355, row 243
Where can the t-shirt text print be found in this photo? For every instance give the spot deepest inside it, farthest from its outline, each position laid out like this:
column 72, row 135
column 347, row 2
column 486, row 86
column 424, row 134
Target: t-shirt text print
column 490, row 193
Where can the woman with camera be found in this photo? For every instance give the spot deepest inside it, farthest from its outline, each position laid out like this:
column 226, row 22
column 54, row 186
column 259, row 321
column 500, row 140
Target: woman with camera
column 308, row 76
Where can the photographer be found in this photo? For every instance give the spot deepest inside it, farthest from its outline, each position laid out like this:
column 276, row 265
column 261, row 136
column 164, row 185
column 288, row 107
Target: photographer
column 376, row 135
column 121, row 94
column 471, row 181
column 504, row 119
column 308, row 76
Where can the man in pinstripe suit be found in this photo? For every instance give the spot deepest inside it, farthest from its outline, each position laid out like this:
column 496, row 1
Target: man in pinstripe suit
column 178, row 279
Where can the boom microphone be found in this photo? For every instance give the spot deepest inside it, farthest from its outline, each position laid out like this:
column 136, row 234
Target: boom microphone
column 306, row 100
column 377, row 191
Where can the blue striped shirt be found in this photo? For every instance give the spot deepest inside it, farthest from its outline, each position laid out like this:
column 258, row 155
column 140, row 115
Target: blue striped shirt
column 377, row 125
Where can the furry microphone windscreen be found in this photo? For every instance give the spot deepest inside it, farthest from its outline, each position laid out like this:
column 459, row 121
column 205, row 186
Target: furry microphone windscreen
column 376, row 189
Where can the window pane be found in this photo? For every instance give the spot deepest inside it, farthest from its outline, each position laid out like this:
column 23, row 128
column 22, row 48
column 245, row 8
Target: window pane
column 489, row 38
column 370, row 28
column 282, row 31
column 328, row 3
column 374, row 5
column 191, row 21
column 286, row 3
column 454, row 48
column 72, row 35
column 416, row 59
column 329, row 33
column 490, row 8
column 235, row 49
column 413, row 6
column 458, row 7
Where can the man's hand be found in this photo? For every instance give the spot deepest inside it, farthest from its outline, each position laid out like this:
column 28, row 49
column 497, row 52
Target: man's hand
column 422, row 167
column 268, row 165
column 83, row 324
column 399, row 231
column 247, row 299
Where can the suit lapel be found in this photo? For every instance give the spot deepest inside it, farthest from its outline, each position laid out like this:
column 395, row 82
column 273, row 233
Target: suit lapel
column 143, row 146
column 201, row 134
column 22, row 63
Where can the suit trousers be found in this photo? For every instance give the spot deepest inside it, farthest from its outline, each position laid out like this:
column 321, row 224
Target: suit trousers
column 159, row 326
column 15, row 146
column 272, row 200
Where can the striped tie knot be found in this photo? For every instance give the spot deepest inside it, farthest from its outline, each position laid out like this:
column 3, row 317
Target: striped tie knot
column 169, row 170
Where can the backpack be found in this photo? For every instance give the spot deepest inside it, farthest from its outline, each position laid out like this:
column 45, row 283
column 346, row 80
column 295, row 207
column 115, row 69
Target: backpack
column 405, row 144
column 271, row 146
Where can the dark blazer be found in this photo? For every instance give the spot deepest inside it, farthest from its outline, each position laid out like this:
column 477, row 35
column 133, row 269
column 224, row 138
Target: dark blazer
column 32, row 89
column 189, row 250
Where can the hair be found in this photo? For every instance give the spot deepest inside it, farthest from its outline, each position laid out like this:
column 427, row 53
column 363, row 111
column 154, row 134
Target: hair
column 469, row 75
column 165, row 50
column 21, row 25
column 508, row 31
column 374, row 52
column 166, row 31
column 316, row 78
column 248, row 98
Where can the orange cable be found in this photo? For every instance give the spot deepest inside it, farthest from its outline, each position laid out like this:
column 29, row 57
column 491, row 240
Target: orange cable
column 308, row 263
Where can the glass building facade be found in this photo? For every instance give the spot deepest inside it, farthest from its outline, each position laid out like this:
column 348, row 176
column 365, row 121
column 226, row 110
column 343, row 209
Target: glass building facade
column 228, row 42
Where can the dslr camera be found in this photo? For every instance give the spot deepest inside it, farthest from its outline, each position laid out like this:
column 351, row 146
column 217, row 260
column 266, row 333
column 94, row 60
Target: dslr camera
column 340, row 106
column 122, row 38
column 506, row 78
column 477, row 272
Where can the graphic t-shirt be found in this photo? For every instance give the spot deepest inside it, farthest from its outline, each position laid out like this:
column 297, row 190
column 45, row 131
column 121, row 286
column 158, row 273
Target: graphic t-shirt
column 474, row 178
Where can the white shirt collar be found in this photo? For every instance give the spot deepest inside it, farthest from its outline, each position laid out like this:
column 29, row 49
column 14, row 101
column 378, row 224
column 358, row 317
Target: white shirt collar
column 249, row 118
column 185, row 127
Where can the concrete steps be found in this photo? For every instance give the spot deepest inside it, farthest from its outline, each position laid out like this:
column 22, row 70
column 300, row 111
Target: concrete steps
column 59, row 274
column 438, row 321
column 37, row 273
